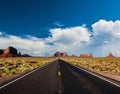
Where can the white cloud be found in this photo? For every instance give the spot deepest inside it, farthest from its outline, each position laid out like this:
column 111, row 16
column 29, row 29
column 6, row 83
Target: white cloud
column 66, row 39
column 69, row 35
column 0, row 33
column 26, row 45
column 110, row 27
column 58, row 24
column 105, row 38
column 106, row 42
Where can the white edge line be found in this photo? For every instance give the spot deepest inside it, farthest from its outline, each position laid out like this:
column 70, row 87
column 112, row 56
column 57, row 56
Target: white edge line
column 24, row 75
column 95, row 75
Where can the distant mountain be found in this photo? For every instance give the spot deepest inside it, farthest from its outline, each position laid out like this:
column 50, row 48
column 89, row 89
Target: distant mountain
column 10, row 52
column 60, row 54
column 110, row 55
column 86, row 55
column 73, row 55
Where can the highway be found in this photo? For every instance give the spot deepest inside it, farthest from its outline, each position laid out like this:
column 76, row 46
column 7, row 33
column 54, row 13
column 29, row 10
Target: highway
column 60, row 77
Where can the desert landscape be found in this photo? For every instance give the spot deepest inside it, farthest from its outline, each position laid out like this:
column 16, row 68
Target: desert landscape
column 59, row 46
column 13, row 64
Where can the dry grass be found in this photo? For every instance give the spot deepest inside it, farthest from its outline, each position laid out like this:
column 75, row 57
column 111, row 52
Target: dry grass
column 10, row 66
column 105, row 65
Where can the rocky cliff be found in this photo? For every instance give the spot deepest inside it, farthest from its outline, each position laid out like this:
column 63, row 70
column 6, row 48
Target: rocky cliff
column 9, row 52
column 60, row 54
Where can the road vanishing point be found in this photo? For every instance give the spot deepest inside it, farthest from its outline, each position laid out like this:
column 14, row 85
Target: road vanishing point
column 60, row 77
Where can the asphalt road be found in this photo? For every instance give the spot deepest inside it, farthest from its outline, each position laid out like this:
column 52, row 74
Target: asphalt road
column 60, row 77
column 77, row 81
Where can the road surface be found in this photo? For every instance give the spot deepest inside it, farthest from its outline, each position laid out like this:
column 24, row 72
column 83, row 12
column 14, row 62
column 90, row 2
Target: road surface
column 60, row 77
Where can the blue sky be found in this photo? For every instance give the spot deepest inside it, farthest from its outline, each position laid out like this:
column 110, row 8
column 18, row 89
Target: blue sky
column 40, row 21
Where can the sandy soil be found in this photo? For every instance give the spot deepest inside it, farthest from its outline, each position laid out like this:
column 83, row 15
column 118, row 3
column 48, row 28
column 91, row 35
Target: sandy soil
column 108, row 74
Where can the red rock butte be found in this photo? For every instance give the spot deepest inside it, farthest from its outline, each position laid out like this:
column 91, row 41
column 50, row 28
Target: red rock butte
column 60, row 54
column 11, row 52
column 86, row 55
column 110, row 55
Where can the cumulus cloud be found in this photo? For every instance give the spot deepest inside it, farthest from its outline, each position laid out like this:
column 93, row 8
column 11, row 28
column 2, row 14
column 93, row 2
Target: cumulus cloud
column 61, row 39
column 106, row 35
column 69, row 35
column 26, row 45
column 69, row 39
column 105, row 38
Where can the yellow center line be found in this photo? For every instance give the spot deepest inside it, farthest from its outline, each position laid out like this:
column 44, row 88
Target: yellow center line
column 59, row 73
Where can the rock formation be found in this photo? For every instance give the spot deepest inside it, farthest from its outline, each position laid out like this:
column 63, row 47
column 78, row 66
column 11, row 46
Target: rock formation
column 86, row 55
column 110, row 55
column 73, row 55
column 25, row 55
column 1, row 51
column 9, row 52
column 60, row 54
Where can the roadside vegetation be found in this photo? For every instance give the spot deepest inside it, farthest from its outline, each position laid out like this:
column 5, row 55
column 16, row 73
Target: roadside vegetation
column 10, row 66
column 106, row 65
